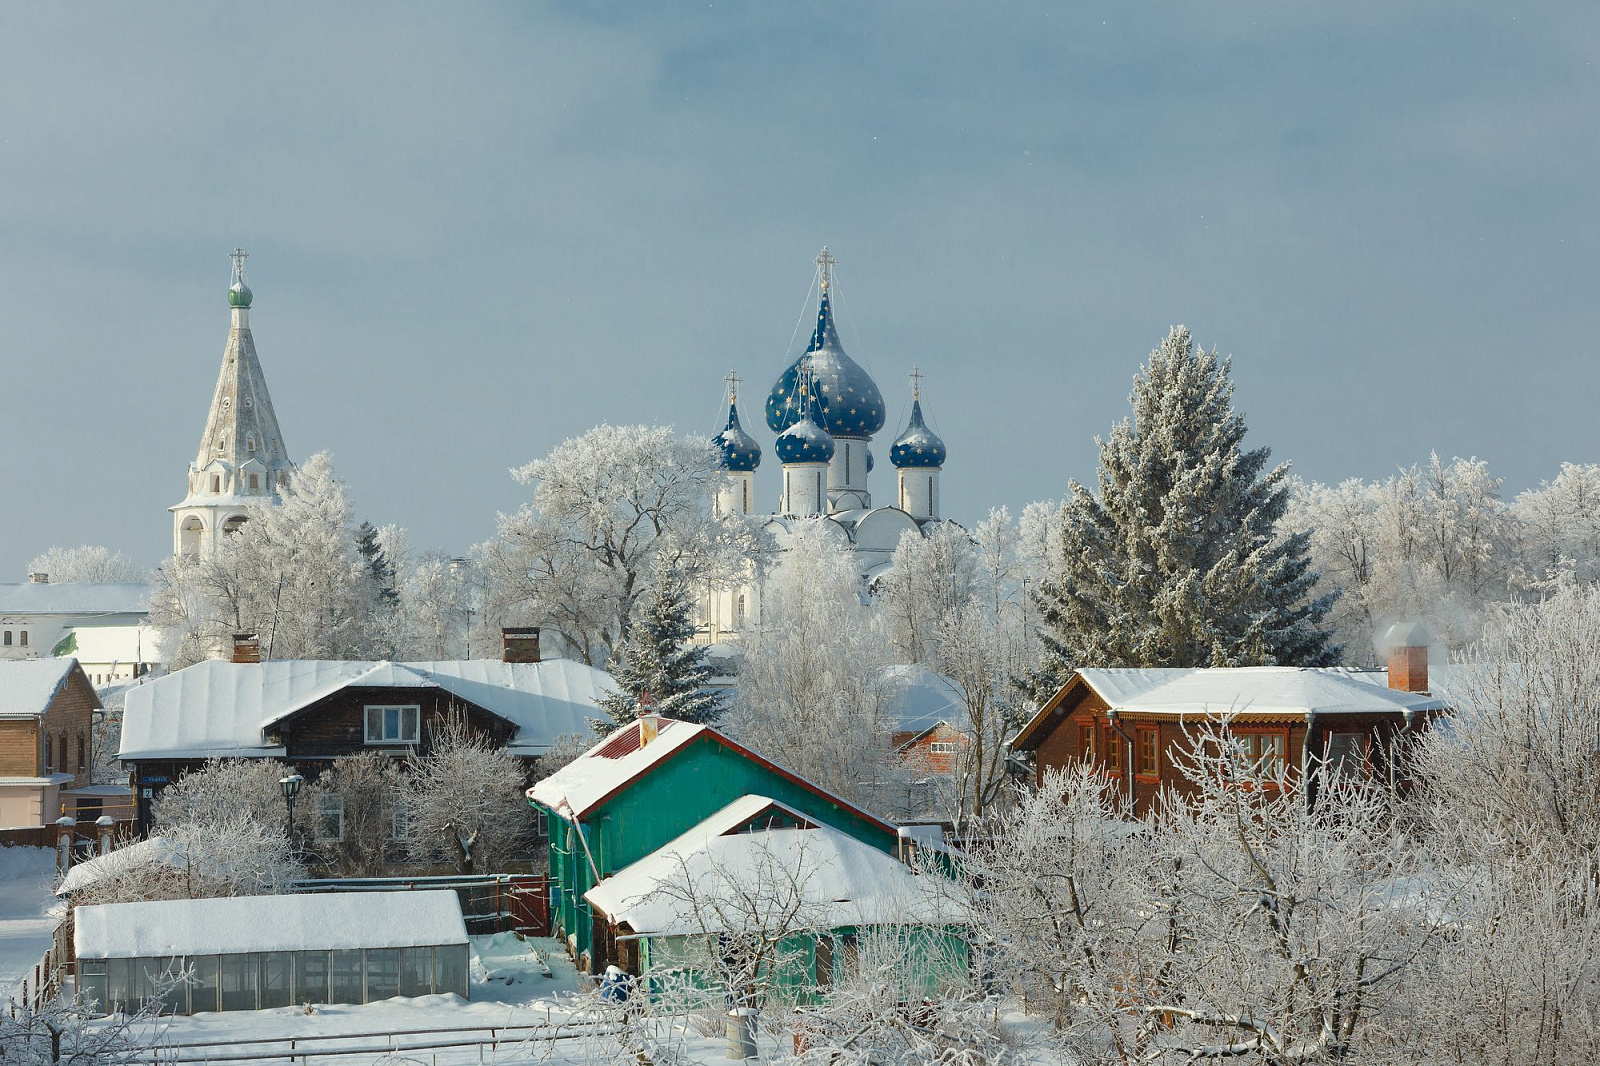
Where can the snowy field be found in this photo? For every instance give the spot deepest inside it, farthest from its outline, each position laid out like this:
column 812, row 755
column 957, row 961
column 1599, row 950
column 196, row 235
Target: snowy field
column 525, row 994
column 27, row 880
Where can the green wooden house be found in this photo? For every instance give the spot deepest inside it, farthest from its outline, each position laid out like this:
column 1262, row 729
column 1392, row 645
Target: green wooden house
column 643, row 787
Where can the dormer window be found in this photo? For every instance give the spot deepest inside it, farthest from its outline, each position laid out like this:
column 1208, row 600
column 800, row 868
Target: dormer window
column 216, row 482
column 255, row 482
column 392, row 725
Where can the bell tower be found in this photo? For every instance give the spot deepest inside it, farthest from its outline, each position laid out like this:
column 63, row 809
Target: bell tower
column 241, row 460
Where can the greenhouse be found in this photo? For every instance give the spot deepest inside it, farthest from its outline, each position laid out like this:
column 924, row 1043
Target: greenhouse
column 249, row 952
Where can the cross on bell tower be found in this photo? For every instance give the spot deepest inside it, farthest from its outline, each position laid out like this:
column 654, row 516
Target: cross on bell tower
column 238, row 255
column 732, row 382
column 916, row 382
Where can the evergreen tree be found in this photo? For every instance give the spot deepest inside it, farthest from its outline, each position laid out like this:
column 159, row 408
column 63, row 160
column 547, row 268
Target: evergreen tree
column 658, row 657
column 1178, row 562
column 378, row 563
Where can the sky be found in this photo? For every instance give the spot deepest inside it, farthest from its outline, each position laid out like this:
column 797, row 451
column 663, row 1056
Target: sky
column 477, row 230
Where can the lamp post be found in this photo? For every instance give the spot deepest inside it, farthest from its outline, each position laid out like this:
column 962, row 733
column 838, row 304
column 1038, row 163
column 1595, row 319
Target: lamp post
column 291, row 789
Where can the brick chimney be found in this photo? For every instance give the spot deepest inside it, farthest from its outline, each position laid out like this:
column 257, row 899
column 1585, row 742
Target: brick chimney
column 246, row 648
column 519, row 644
column 1408, row 656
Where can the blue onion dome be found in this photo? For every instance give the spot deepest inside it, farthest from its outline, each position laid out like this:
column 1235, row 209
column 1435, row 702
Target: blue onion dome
column 848, row 398
column 804, row 442
column 740, row 452
column 918, row 448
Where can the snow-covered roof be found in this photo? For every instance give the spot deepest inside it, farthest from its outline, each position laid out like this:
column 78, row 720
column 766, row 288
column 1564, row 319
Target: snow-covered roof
column 1255, row 690
column 27, row 686
column 841, row 881
column 74, row 597
column 592, row 777
column 217, row 708
column 923, row 699
column 297, row 922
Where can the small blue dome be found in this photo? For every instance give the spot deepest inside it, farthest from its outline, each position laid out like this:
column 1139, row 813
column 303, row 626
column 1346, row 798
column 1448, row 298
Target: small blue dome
column 739, row 450
column 847, row 397
column 804, row 442
column 918, row 448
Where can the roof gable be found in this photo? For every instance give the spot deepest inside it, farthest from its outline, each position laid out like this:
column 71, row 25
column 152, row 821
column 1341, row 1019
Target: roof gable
column 29, row 686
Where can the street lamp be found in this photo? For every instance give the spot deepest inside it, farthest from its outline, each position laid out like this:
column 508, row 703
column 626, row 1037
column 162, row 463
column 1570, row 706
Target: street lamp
column 291, row 789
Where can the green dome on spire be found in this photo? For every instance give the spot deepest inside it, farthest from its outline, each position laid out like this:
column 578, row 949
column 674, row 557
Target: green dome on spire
column 238, row 292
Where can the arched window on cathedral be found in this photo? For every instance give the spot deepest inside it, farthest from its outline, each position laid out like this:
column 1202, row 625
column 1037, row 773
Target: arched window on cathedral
column 216, row 482
column 24, row 640
column 738, row 611
column 255, row 482
column 8, row 638
column 250, row 442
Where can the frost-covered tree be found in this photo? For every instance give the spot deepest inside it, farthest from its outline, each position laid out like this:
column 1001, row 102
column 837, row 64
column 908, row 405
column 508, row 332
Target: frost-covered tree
column 292, row 575
column 1560, row 525
column 466, row 803
column 813, row 691
column 612, row 511
column 85, row 563
column 1433, row 540
column 1176, row 561
column 659, row 658
column 369, row 789
column 70, row 1031
column 433, row 611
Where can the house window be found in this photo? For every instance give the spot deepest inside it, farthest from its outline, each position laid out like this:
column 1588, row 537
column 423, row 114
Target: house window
column 1147, row 747
column 392, row 725
column 942, row 747
column 1086, row 741
column 1265, row 752
column 400, row 823
column 1113, row 752
column 49, row 754
column 1347, row 755
column 332, row 817
column 82, row 762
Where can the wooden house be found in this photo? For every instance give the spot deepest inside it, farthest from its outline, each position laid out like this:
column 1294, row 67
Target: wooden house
column 310, row 713
column 646, row 785
column 1128, row 722
column 46, row 742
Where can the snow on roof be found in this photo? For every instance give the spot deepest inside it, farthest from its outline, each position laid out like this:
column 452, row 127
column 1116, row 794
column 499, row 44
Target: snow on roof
column 593, row 776
column 75, row 597
column 218, row 708
column 298, row 922
column 923, row 699
column 27, row 686
column 841, row 881
column 1259, row 690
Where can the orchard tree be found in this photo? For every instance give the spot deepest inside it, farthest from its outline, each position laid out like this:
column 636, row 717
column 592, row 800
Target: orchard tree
column 659, row 658
column 1177, row 560
column 465, row 802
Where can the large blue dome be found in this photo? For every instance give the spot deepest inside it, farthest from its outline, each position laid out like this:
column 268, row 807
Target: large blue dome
column 740, row 452
column 918, row 448
column 804, row 442
column 847, row 397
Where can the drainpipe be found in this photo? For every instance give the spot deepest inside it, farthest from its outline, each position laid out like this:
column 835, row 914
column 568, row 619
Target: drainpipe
column 1307, row 778
column 1127, row 755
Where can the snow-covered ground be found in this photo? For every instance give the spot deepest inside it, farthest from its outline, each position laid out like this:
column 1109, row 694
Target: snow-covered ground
column 27, row 880
column 515, row 983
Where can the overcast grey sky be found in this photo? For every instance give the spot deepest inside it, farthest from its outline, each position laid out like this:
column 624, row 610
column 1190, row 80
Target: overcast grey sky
column 476, row 230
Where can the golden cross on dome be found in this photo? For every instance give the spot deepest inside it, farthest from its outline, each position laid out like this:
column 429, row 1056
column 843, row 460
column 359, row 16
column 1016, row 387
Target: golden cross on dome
column 732, row 381
column 825, row 261
column 238, row 255
column 916, row 382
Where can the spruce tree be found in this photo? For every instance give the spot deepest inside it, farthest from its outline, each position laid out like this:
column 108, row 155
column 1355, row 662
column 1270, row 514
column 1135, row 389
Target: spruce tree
column 658, row 657
column 1178, row 562
column 377, row 562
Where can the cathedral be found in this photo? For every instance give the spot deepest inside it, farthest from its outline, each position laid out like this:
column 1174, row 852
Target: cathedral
column 241, row 460
column 825, row 410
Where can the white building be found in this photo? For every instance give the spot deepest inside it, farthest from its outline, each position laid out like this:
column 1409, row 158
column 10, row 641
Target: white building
column 825, row 409
column 242, row 459
column 104, row 625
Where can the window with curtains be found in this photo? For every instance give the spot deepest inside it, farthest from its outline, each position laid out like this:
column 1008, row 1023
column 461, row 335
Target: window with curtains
column 1086, row 741
column 1265, row 751
column 1113, row 749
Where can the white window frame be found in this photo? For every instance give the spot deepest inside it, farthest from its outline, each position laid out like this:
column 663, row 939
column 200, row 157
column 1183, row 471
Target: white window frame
column 332, row 807
column 400, row 823
column 942, row 747
column 378, row 714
